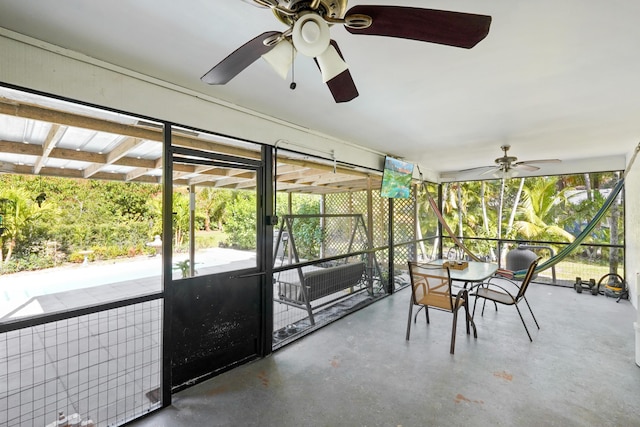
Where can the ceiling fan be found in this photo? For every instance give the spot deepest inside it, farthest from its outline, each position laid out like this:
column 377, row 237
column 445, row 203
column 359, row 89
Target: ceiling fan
column 308, row 24
column 506, row 166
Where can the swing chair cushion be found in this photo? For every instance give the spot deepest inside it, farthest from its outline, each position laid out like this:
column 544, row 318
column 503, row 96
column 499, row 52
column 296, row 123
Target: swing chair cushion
column 323, row 282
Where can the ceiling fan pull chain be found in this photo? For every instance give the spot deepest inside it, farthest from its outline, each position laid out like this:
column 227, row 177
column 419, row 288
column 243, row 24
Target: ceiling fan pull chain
column 293, row 84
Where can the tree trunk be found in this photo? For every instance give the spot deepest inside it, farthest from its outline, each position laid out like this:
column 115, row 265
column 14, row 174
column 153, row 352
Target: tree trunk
column 587, row 184
column 500, row 216
column 614, row 259
column 500, row 209
column 485, row 218
column 10, row 246
column 516, row 202
column 483, row 202
column 459, row 211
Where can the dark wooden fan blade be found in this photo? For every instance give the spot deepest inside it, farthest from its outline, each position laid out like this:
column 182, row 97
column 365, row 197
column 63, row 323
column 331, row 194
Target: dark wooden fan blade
column 238, row 60
column 427, row 25
column 342, row 86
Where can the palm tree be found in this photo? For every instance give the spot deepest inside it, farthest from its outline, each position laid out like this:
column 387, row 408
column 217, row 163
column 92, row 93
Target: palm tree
column 212, row 203
column 540, row 212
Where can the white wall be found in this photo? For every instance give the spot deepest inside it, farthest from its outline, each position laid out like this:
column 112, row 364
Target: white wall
column 632, row 228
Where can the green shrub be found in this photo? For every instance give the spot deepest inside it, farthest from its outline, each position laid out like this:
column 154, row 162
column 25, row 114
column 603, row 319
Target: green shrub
column 30, row 263
column 240, row 223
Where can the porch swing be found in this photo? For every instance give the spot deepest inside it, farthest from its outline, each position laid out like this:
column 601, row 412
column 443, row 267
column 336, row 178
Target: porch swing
column 337, row 277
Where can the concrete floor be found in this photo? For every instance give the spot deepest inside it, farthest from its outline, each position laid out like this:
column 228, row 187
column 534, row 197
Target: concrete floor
column 359, row 371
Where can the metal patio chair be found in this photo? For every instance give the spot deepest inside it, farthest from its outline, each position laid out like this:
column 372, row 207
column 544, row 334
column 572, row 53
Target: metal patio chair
column 431, row 288
column 490, row 291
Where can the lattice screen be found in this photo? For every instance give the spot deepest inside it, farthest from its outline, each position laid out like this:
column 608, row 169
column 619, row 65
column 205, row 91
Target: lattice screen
column 347, row 233
column 338, row 230
column 104, row 366
column 404, row 217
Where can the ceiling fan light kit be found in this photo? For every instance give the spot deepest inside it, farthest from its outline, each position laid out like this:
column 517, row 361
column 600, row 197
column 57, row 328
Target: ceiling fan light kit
column 330, row 63
column 309, row 21
column 505, row 174
column 281, row 57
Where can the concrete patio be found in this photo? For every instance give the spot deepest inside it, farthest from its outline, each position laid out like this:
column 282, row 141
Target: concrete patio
column 360, row 371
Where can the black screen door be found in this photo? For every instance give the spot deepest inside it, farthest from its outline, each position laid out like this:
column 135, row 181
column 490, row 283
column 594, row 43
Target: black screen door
column 217, row 288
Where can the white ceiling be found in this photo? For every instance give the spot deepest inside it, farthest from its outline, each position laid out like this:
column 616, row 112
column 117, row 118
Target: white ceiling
column 556, row 79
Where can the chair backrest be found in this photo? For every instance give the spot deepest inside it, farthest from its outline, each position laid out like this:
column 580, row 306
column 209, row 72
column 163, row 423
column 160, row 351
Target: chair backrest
column 431, row 283
column 527, row 278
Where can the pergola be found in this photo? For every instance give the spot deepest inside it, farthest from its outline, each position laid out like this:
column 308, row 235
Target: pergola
column 46, row 137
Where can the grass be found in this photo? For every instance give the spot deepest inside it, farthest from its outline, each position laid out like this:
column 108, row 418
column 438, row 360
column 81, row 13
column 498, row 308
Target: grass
column 569, row 270
column 210, row 239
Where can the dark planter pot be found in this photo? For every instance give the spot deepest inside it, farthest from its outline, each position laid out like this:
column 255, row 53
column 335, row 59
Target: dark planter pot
column 520, row 259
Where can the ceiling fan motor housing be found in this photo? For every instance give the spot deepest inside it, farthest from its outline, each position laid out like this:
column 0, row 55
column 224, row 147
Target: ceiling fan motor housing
column 329, row 8
column 310, row 35
column 506, row 160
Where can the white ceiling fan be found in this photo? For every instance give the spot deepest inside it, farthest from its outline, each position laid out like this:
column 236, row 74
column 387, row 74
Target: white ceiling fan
column 505, row 166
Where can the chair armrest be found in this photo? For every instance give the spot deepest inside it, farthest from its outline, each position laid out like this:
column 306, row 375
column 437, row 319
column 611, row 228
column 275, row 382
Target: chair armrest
column 489, row 286
column 461, row 293
column 510, row 281
column 503, row 272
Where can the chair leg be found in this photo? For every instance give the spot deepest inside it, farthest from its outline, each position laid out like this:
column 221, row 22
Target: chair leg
column 531, row 311
column 475, row 301
column 409, row 321
column 524, row 324
column 485, row 302
column 466, row 311
column 453, row 331
column 466, row 318
column 415, row 316
column 470, row 320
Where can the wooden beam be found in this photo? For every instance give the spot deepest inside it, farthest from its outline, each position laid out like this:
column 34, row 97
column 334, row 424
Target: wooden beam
column 34, row 112
column 20, row 148
column 136, row 173
column 212, row 176
column 122, row 149
column 7, row 167
column 225, row 182
column 53, row 137
column 126, row 145
column 301, row 173
column 92, row 169
column 309, row 175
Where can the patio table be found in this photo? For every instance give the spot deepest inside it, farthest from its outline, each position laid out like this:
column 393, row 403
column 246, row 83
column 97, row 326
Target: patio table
column 475, row 271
